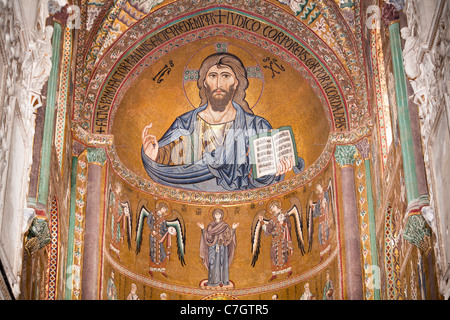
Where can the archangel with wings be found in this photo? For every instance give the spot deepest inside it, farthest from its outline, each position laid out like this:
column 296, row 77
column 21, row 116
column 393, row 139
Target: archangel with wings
column 278, row 226
column 321, row 209
column 163, row 224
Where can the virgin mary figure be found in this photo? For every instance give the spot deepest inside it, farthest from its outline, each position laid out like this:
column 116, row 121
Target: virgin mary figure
column 217, row 246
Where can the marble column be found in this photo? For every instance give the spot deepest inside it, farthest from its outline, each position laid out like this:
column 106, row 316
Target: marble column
column 90, row 270
column 49, row 123
column 363, row 147
column 345, row 156
column 416, row 201
column 404, row 122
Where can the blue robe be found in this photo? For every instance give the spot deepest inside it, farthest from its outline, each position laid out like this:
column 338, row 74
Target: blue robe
column 227, row 168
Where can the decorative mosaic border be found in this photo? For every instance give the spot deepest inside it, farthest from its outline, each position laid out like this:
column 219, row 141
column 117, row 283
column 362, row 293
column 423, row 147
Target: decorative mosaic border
column 52, row 265
column 79, row 89
column 364, row 227
column 375, row 46
column 80, row 212
column 391, row 258
column 351, row 44
column 63, row 93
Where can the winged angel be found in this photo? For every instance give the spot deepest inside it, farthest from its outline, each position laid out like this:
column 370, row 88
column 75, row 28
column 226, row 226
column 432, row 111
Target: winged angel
column 163, row 225
column 278, row 226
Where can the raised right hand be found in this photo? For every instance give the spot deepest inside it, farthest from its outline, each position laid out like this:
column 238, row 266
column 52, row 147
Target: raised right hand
column 149, row 143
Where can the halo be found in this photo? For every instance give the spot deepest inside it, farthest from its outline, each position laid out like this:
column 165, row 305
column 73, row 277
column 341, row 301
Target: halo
column 225, row 212
column 270, row 202
column 254, row 72
column 168, row 213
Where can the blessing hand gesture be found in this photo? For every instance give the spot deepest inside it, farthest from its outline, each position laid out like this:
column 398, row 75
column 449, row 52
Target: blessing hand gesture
column 150, row 143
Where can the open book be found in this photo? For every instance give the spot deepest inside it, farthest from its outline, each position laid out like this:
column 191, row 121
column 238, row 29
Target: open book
column 267, row 149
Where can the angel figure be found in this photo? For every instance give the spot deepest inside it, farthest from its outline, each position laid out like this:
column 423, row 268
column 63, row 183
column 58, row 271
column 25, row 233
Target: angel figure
column 160, row 239
column 322, row 209
column 278, row 226
column 217, row 246
column 121, row 223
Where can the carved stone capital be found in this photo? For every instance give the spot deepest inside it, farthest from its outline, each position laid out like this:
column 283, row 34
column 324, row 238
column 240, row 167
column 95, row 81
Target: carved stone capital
column 38, row 237
column 345, row 155
column 417, row 232
column 363, row 147
column 96, row 155
column 77, row 148
column 389, row 14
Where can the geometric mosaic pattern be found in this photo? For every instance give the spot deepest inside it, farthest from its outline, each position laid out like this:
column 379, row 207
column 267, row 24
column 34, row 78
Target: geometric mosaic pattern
column 383, row 118
column 388, row 253
column 369, row 273
column 63, row 94
column 392, row 256
column 80, row 208
column 52, row 264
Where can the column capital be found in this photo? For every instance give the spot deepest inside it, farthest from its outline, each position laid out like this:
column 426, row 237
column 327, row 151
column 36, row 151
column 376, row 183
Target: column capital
column 390, row 13
column 417, row 232
column 345, row 155
column 77, row 148
column 363, row 147
column 96, row 155
column 38, row 236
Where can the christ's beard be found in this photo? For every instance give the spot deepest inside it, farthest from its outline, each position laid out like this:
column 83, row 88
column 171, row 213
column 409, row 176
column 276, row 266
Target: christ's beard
column 218, row 103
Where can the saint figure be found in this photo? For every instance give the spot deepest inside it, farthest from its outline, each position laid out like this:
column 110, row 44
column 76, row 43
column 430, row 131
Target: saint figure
column 322, row 209
column 217, row 246
column 328, row 288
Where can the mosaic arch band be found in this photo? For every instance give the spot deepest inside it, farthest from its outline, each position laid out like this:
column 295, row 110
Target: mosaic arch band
column 207, row 148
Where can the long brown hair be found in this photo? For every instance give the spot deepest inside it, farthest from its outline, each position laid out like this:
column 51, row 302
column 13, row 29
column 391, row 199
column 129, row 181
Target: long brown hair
column 233, row 62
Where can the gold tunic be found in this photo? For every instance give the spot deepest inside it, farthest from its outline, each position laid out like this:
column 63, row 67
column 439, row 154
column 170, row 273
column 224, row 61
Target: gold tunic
column 188, row 149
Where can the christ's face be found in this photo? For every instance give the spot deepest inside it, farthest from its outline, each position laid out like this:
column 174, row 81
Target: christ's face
column 220, row 84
